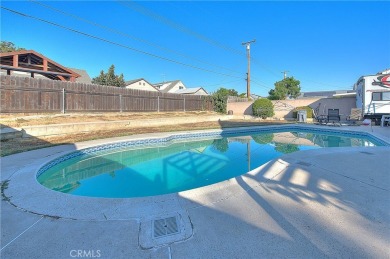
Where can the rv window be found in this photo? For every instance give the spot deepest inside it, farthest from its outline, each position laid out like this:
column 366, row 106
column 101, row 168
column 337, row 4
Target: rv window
column 381, row 96
column 386, row 96
column 376, row 96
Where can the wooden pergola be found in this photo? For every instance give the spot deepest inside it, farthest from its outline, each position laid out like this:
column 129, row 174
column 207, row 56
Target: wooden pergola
column 32, row 62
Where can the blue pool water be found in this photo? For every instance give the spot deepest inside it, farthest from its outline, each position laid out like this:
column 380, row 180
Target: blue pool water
column 168, row 167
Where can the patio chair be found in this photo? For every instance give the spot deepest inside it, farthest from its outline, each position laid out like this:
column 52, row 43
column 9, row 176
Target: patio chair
column 321, row 119
column 334, row 116
column 385, row 119
column 356, row 115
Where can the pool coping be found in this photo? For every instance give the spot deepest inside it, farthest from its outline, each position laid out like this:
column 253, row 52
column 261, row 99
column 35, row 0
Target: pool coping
column 41, row 200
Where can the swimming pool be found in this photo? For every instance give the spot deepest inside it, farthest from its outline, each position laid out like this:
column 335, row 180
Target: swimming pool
column 181, row 162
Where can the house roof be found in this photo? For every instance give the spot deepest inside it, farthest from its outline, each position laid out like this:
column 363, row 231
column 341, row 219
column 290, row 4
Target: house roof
column 133, row 81
column 324, row 93
column 137, row 80
column 255, row 96
column 140, row 79
column 34, row 62
column 190, row 90
column 167, row 85
column 84, row 76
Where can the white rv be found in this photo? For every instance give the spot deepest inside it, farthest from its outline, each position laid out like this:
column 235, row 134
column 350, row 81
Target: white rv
column 373, row 96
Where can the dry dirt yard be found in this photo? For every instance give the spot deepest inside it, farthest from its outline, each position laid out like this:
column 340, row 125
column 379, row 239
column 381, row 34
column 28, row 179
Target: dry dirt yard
column 18, row 145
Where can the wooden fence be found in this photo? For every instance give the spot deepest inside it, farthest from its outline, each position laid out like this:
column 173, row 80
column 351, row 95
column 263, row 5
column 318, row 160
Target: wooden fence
column 31, row 95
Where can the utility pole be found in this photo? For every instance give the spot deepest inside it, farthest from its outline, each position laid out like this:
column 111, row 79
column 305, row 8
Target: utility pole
column 248, row 75
column 285, row 74
column 163, row 75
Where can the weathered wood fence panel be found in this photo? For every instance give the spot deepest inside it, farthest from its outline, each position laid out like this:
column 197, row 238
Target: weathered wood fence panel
column 30, row 95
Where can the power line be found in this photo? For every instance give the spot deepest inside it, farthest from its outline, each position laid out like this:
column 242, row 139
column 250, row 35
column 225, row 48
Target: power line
column 143, row 10
column 255, row 62
column 222, row 83
column 115, row 43
column 261, row 85
column 147, row 12
column 129, row 36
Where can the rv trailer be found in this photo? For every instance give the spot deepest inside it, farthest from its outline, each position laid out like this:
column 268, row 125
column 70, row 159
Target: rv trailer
column 373, row 96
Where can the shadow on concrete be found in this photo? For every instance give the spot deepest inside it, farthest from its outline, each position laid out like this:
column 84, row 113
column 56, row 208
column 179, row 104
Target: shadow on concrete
column 262, row 226
column 279, row 217
column 14, row 141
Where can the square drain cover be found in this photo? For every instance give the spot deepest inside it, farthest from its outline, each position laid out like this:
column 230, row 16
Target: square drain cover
column 165, row 227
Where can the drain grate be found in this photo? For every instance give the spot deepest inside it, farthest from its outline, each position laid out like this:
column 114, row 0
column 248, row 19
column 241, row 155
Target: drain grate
column 303, row 163
column 367, row 153
column 165, row 227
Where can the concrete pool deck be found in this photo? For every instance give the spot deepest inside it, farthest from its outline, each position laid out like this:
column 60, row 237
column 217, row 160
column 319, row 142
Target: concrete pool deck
column 331, row 202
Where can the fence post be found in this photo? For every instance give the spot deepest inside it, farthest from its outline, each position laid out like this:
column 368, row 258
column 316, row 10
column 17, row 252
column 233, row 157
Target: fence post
column 158, row 103
column 120, row 103
column 184, row 104
column 63, row 100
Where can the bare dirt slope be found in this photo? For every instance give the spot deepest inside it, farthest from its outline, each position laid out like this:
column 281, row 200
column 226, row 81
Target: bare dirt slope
column 18, row 145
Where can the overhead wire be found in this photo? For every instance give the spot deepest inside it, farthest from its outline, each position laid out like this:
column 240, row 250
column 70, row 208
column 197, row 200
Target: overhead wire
column 143, row 10
column 261, row 85
column 115, row 43
column 130, row 36
column 147, row 12
column 222, row 83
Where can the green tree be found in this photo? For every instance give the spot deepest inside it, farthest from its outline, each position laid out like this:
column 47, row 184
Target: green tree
column 222, row 145
column 7, row 46
column 288, row 87
column 220, row 99
column 263, row 138
column 286, row 148
column 220, row 102
column 263, row 108
column 109, row 78
column 226, row 92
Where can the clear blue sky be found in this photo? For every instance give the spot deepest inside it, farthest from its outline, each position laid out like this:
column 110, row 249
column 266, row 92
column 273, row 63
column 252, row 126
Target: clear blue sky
column 325, row 45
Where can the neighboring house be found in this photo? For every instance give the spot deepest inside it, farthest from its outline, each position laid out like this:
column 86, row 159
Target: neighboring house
column 255, row 96
column 84, row 77
column 140, row 84
column 170, row 86
column 193, row 91
column 323, row 94
column 29, row 63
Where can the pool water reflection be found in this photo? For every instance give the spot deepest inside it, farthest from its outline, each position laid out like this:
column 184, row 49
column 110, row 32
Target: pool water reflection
column 174, row 167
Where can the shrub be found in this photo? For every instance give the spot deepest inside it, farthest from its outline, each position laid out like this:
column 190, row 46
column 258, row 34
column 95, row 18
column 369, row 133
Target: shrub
column 308, row 109
column 222, row 145
column 263, row 108
column 286, row 148
column 263, row 138
column 220, row 103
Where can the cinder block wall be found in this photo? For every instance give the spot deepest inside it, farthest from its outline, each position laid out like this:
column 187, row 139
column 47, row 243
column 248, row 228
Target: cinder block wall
column 284, row 108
